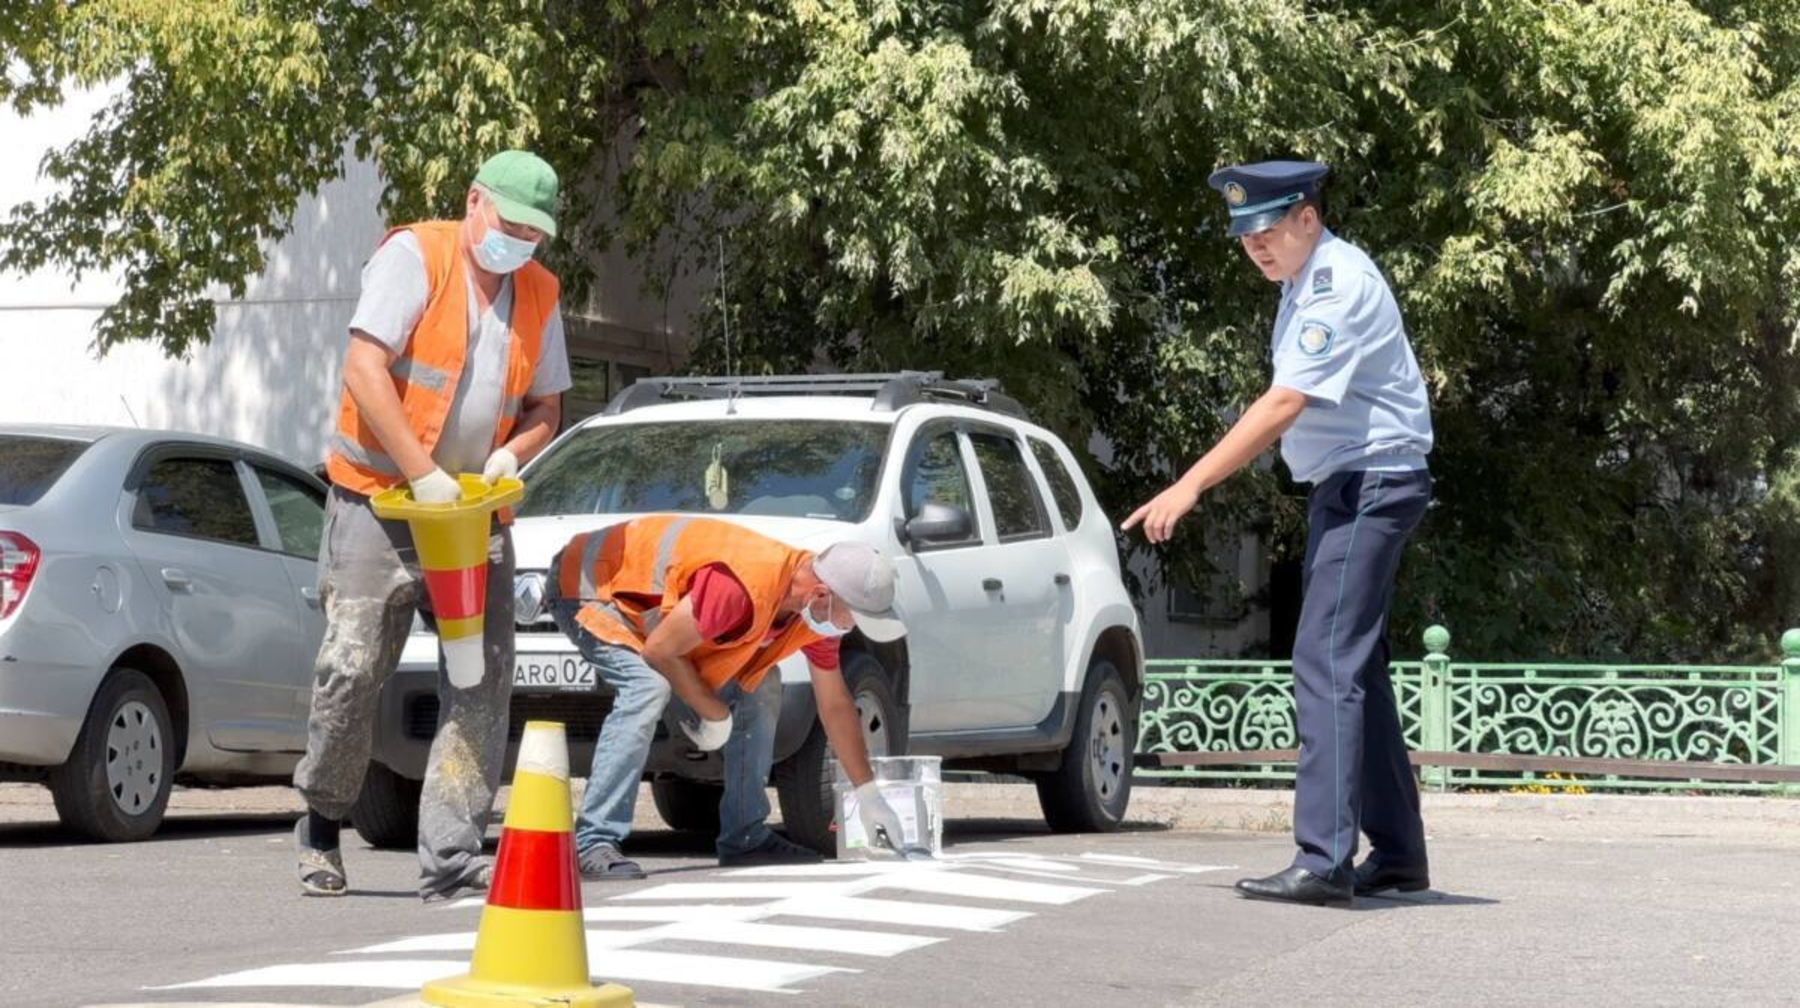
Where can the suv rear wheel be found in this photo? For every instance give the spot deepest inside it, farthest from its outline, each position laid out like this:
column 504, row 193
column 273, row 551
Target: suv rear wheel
column 804, row 781
column 1089, row 792
column 386, row 812
column 115, row 784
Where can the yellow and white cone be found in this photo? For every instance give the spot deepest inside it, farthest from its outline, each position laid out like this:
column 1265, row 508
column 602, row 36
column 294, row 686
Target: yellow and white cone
column 452, row 540
column 531, row 948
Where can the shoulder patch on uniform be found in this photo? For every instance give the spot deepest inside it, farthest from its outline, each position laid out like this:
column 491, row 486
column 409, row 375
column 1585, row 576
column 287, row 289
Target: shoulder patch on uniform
column 1321, row 280
column 1315, row 337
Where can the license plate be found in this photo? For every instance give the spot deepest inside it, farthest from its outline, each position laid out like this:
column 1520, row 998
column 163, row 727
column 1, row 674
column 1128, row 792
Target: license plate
column 552, row 673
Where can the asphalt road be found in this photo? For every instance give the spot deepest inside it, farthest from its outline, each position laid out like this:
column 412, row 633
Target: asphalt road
column 1612, row 901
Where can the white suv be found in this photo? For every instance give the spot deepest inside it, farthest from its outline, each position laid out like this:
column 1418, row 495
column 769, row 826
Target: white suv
column 1023, row 652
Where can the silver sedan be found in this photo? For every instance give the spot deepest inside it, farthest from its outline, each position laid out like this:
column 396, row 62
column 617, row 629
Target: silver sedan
column 158, row 617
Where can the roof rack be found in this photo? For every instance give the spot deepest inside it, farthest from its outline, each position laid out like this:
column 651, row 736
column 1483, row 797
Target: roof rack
column 890, row 391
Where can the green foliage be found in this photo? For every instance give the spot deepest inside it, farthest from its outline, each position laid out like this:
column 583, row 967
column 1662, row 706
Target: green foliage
column 1585, row 208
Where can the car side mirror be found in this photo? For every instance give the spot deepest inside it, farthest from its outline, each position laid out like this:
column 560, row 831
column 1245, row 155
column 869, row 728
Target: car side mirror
column 938, row 523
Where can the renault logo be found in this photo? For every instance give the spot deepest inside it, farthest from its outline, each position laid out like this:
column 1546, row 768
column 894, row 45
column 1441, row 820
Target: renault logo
column 528, row 598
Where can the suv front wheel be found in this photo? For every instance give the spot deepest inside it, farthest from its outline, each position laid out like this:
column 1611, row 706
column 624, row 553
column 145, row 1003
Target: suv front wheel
column 803, row 782
column 1089, row 792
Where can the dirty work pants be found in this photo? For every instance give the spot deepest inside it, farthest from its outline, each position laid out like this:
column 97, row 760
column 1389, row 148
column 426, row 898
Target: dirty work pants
column 1353, row 772
column 370, row 586
column 640, row 697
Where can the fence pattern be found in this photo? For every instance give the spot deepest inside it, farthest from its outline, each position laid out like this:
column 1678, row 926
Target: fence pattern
column 1700, row 714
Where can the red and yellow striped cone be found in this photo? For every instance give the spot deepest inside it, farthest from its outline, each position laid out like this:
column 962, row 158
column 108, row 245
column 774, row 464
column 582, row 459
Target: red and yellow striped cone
column 452, row 541
column 532, row 948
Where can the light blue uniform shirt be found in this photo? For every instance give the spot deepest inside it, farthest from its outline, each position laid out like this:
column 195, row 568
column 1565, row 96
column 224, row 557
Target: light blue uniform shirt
column 1339, row 341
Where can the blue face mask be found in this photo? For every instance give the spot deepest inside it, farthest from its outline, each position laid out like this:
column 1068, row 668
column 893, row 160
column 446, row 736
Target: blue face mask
column 500, row 252
column 825, row 627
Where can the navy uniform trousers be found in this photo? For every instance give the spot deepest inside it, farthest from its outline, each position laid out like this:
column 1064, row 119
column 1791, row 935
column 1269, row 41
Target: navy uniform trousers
column 1353, row 769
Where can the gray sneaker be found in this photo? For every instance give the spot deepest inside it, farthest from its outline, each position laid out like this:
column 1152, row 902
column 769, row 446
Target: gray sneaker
column 776, row 850
column 603, row 861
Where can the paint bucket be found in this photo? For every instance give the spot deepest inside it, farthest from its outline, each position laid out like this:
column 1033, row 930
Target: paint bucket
column 914, row 787
column 452, row 540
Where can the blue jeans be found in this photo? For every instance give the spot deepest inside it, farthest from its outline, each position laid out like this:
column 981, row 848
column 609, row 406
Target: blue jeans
column 641, row 694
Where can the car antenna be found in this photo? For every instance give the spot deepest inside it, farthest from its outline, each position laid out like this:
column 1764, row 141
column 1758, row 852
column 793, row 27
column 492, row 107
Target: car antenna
column 128, row 412
column 732, row 389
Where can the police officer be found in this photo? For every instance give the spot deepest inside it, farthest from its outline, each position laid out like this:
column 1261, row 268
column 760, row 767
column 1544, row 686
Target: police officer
column 1349, row 406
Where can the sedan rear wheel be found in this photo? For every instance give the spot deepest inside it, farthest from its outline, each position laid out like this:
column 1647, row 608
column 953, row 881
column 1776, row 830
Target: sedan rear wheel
column 115, row 784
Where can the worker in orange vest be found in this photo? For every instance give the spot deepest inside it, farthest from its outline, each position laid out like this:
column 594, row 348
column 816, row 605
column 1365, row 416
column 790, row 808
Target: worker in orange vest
column 456, row 364
column 703, row 609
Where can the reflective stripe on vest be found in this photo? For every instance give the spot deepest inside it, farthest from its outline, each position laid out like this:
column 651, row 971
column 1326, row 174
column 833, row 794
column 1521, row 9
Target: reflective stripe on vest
column 665, row 553
column 364, row 457
column 414, row 372
column 590, row 553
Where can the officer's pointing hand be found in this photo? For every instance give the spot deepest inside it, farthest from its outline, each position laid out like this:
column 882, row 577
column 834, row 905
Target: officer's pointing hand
column 1160, row 515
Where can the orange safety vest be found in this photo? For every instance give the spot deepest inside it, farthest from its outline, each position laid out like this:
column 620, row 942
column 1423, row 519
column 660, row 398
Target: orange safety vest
column 427, row 370
column 629, row 577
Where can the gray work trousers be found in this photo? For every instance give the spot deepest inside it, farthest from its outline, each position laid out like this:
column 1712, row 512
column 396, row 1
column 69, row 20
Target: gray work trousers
column 370, row 586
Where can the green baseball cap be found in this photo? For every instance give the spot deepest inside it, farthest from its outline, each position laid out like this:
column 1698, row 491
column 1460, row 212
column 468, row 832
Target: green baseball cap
column 523, row 187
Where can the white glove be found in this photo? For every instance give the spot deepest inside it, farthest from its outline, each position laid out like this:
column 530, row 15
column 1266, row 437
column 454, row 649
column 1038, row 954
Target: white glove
column 708, row 735
column 436, row 487
column 503, row 464
column 879, row 817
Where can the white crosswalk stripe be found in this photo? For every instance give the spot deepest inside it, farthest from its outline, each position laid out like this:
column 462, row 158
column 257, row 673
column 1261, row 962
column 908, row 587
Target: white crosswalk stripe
column 778, row 910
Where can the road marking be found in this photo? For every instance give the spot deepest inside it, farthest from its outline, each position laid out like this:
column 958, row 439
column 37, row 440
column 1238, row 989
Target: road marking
column 1155, row 865
column 630, row 964
column 706, row 970
column 763, row 908
column 835, row 868
column 900, row 912
column 381, row 974
column 815, row 939
column 672, row 914
column 729, row 932
column 986, row 887
column 676, row 891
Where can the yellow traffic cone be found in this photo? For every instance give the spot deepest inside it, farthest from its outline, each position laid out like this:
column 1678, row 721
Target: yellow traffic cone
column 452, row 542
column 531, row 948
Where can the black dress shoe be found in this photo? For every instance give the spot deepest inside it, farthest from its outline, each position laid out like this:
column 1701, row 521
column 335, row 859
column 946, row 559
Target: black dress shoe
column 1297, row 885
column 1376, row 876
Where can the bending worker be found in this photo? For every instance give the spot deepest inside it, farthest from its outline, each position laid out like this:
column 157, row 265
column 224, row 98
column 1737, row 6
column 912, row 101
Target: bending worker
column 704, row 610
column 456, row 362
column 1349, row 406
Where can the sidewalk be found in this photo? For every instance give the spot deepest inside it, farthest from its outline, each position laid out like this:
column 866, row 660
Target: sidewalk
column 1704, row 820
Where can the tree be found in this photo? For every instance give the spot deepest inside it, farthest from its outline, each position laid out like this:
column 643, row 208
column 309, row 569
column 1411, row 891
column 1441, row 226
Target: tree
column 1584, row 208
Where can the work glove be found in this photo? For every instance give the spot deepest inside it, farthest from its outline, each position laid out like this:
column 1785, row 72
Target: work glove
column 879, row 820
column 502, row 464
column 708, row 735
column 436, row 487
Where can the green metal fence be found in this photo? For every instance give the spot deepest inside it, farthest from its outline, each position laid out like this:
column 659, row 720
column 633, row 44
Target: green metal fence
column 1702, row 714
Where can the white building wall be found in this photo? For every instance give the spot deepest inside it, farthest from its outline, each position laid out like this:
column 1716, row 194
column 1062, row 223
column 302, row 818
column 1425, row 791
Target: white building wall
column 270, row 375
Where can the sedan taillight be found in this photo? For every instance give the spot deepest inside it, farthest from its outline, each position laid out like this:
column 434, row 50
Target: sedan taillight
column 18, row 564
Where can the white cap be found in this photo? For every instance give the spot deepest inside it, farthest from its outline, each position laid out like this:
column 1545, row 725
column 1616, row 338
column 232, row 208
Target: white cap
column 858, row 574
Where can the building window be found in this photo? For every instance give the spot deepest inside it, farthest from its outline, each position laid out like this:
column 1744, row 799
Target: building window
column 629, row 374
column 1217, row 597
column 591, row 391
column 1220, row 603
